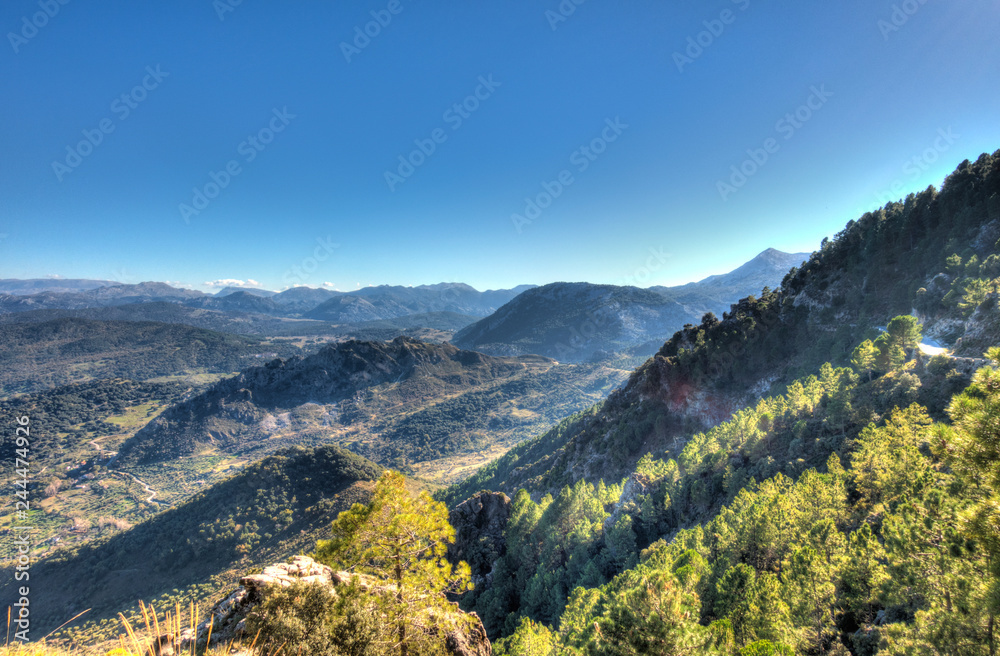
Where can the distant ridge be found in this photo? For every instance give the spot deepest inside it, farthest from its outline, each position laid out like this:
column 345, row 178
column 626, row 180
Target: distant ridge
column 226, row 291
column 366, row 304
column 232, row 413
column 575, row 322
column 38, row 285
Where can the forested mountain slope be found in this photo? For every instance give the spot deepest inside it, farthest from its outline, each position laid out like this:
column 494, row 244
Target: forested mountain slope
column 888, row 547
column 400, row 403
column 871, row 271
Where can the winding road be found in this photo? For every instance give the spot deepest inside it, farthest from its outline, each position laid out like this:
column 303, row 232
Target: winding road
column 933, row 347
column 150, row 491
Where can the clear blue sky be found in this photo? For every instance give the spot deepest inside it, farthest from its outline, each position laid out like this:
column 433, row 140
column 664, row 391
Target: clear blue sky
column 888, row 96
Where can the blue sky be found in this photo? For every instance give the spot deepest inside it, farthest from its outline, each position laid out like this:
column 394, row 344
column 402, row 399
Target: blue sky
column 900, row 93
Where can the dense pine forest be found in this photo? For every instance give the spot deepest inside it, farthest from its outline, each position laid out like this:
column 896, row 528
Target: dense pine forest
column 837, row 516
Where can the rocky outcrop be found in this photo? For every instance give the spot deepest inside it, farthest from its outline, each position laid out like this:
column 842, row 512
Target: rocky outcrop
column 636, row 486
column 479, row 532
column 228, row 617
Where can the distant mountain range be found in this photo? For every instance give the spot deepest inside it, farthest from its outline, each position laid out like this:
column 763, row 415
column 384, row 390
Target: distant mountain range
column 367, row 304
column 574, row 322
column 568, row 321
column 240, row 323
column 388, row 302
column 37, row 285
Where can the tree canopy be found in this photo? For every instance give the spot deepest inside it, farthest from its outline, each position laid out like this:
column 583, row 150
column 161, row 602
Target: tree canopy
column 401, row 540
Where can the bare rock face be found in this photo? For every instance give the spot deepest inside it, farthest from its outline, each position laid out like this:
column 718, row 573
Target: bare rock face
column 301, row 568
column 469, row 643
column 228, row 617
column 636, row 486
column 479, row 532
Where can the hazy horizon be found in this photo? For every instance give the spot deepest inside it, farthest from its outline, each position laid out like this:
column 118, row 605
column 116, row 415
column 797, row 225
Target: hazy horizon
column 215, row 286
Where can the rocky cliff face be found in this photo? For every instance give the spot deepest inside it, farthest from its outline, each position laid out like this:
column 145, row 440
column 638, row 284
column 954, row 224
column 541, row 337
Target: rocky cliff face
column 228, row 618
column 479, row 533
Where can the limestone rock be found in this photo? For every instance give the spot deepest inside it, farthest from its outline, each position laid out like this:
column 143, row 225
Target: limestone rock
column 228, row 617
column 637, row 486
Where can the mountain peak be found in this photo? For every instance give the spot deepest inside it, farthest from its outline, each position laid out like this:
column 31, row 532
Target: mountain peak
column 226, row 291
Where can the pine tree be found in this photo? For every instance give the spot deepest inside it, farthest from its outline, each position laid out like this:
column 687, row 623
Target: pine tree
column 891, row 355
column 402, row 541
column 973, row 449
column 864, row 574
column 904, row 332
column 864, row 358
column 530, row 639
column 752, row 603
column 810, row 584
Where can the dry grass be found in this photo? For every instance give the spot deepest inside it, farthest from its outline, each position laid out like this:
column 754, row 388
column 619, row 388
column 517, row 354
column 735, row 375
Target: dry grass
column 155, row 635
column 32, row 649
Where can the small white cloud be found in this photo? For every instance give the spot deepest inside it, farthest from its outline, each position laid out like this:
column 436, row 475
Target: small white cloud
column 330, row 284
column 53, row 276
column 232, row 282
